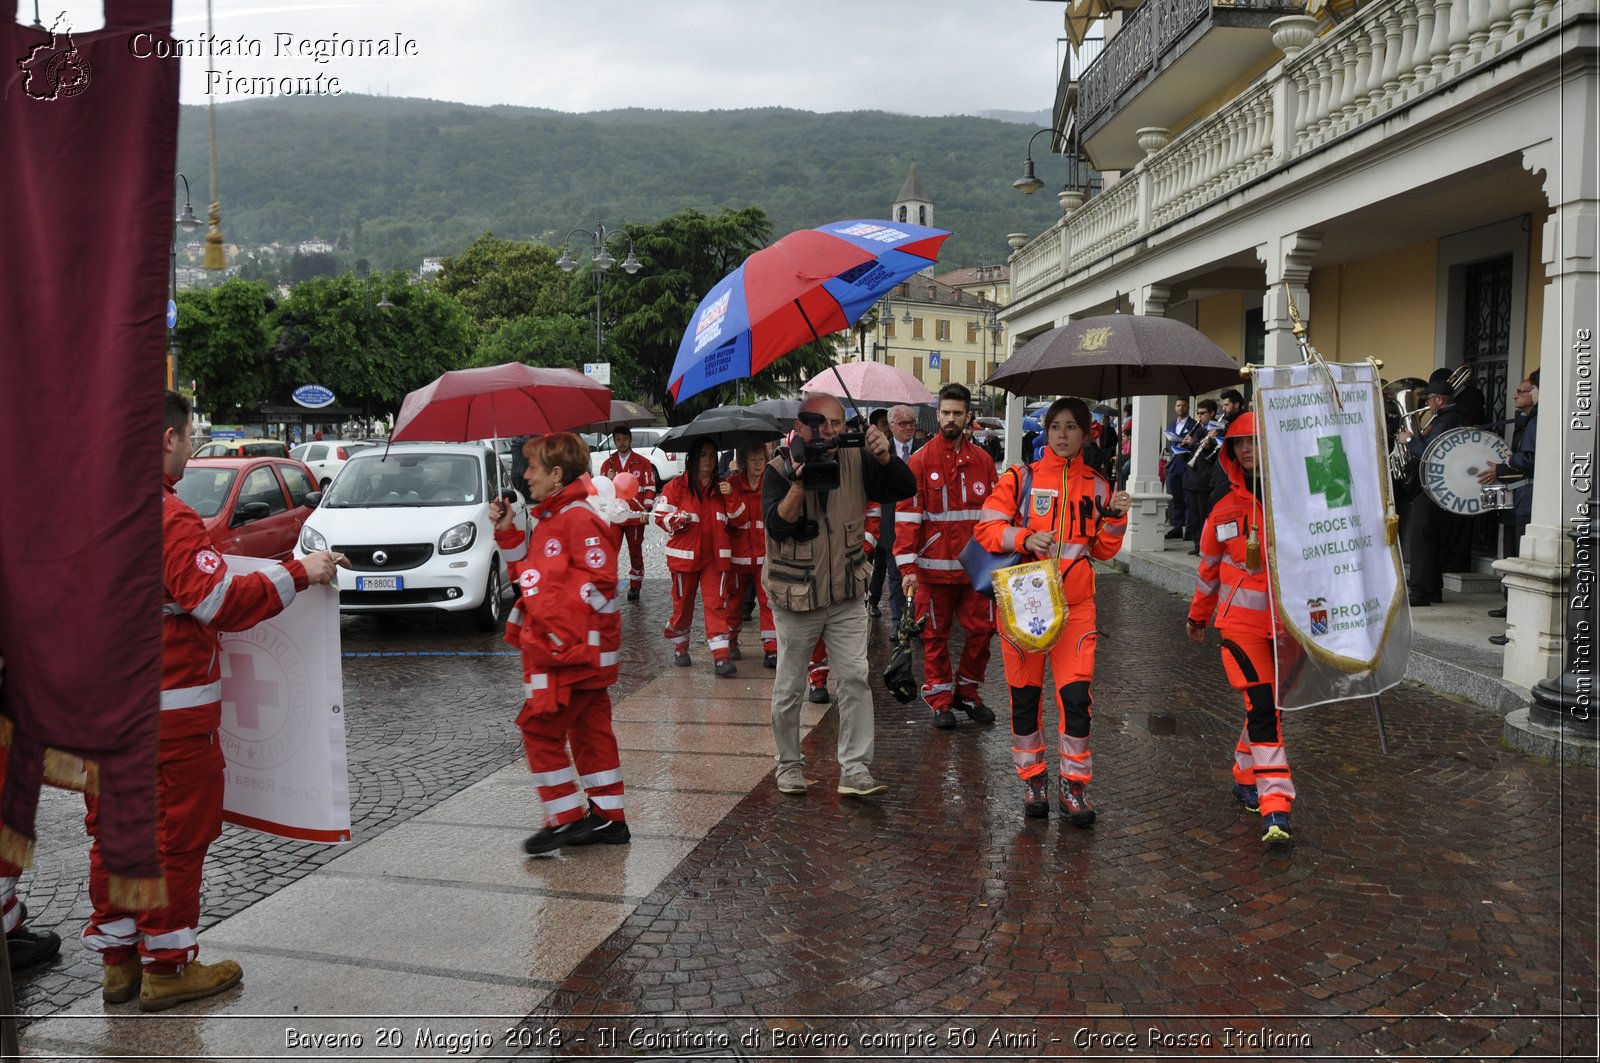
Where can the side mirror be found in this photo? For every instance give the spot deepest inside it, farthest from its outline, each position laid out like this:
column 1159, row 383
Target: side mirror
column 313, row 500
column 249, row 511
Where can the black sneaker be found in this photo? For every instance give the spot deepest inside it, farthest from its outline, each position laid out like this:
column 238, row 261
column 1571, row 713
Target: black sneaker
column 681, row 660
column 1174, row 533
column 818, row 695
column 734, row 654
column 633, row 594
column 873, row 610
column 724, row 668
column 549, row 839
column 1036, row 796
column 769, row 660
column 1075, row 805
column 977, row 711
column 603, row 831
column 944, row 720
column 26, row 947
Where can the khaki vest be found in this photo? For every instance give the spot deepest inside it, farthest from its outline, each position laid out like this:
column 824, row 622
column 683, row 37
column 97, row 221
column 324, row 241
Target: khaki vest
column 831, row 568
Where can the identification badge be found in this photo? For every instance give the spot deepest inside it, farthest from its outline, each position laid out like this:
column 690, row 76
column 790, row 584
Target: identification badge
column 1227, row 531
column 1043, row 502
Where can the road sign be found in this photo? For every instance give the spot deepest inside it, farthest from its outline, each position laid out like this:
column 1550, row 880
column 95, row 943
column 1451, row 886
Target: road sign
column 172, row 314
column 599, row 372
column 933, row 359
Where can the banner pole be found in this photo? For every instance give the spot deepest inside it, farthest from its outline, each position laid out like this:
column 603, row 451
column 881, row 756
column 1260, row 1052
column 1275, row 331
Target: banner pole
column 1383, row 738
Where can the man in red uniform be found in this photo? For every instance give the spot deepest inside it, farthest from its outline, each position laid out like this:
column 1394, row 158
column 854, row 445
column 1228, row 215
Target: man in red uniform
column 748, row 535
column 624, row 459
column 954, row 478
column 152, row 953
column 1232, row 592
column 569, row 631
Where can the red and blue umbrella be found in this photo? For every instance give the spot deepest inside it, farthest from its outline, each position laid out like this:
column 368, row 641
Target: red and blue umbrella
column 805, row 286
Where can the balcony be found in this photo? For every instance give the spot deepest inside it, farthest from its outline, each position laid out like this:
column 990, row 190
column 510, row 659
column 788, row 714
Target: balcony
column 1169, row 57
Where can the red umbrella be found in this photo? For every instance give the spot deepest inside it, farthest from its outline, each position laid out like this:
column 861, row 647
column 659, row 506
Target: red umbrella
column 501, row 400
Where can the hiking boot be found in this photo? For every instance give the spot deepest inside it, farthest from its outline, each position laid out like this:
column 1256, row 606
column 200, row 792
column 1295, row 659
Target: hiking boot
column 195, row 981
column 549, row 839
column 733, row 652
column 633, row 594
column 681, row 660
column 119, row 982
column 724, row 668
column 792, row 780
column 769, row 660
column 26, row 947
column 1247, row 796
column 1074, row 800
column 818, row 695
column 944, row 719
column 976, row 710
column 1036, row 796
column 1275, row 828
column 860, row 784
column 602, row 831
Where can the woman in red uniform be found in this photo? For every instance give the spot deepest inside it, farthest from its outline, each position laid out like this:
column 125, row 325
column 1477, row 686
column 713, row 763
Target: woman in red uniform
column 567, row 625
column 692, row 511
column 748, row 533
column 1232, row 594
column 1070, row 514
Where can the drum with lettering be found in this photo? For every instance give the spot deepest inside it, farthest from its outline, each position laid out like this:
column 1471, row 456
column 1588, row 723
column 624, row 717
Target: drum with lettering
column 1451, row 464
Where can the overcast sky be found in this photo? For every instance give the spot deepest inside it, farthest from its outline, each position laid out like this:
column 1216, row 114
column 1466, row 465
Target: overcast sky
column 928, row 57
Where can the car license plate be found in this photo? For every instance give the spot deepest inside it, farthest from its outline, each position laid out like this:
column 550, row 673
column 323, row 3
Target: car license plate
column 378, row 583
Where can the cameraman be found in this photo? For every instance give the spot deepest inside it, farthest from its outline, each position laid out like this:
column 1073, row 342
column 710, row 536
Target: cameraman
column 816, row 575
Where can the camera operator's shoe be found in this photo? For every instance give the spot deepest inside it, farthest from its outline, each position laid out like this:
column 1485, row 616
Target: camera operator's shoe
column 724, row 668
column 1074, row 800
column 976, row 710
column 681, row 660
column 818, row 695
column 195, row 981
column 861, row 784
column 119, row 982
column 1036, row 796
column 1247, row 796
column 1275, row 829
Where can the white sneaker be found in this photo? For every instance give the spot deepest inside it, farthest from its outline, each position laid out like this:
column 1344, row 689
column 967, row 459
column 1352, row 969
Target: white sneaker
column 860, row 784
column 792, row 780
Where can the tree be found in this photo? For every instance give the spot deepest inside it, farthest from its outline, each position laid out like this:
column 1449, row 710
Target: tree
column 559, row 341
column 225, row 346
column 497, row 281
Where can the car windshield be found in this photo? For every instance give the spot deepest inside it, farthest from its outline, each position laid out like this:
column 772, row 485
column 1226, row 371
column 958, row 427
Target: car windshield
column 371, row 479
column 206, row 489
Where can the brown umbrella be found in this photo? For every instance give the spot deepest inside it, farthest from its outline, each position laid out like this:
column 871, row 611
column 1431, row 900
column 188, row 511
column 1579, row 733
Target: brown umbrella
column 625, row 414
column 1117, row 355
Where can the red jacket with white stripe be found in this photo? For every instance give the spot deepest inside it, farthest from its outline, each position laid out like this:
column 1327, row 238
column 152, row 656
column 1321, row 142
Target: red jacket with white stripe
column 702, row 542
column 747, row 532
column 931, row 527
column 566, row 619
column 1226, row 591
column 203, row 598
column 645, row 473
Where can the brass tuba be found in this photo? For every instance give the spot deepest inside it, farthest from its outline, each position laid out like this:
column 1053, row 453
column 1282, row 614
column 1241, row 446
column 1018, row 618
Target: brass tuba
column 1404, row 398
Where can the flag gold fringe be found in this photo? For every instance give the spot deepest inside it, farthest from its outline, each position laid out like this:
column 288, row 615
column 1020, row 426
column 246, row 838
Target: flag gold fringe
column 215, row 257
column 15, row 848
column 137, row 894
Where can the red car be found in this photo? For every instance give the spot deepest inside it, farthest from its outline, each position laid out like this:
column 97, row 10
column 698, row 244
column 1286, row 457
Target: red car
column 251, row 506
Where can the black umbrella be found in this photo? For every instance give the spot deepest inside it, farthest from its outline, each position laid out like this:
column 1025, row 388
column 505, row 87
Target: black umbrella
column 783, row 411
column 1117, row 355
column 728, row 427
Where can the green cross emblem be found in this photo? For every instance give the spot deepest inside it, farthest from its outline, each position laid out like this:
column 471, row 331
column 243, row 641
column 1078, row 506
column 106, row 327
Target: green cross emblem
column 1329, row 472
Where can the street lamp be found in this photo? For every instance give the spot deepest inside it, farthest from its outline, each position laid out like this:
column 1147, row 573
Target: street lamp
column 366, row 337
column 989, row 321
column 186, row 223
column 602, row 260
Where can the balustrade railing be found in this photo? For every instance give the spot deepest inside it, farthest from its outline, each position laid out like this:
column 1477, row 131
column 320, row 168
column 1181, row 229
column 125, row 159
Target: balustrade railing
column 1387, row 54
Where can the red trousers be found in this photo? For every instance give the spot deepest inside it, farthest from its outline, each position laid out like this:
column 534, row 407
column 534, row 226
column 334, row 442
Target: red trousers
column 711, row 584
column 189, row 785
column 739, row 580
column 1259, row 758
column 555, row 716
column 633, row 536
column 1072, row 669
column 817, row 667
column 945, row 604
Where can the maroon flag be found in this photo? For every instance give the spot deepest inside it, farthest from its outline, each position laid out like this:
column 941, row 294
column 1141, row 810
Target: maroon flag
column 86, row 194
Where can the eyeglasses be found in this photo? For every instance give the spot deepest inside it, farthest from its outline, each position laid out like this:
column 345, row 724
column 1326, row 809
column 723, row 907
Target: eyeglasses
column 1524, row 391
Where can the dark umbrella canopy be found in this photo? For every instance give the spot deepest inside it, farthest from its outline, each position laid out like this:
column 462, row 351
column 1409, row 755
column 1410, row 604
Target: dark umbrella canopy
column 728, row 427
column 783, row 411
column 1117, row 355
column 625, row 414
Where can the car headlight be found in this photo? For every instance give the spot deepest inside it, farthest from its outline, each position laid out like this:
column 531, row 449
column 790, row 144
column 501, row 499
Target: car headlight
column 459, row 538
column 311, row 540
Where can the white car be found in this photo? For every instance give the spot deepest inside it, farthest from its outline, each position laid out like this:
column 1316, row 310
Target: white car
column 667, row 464
column 413, row 519
column 325, row 457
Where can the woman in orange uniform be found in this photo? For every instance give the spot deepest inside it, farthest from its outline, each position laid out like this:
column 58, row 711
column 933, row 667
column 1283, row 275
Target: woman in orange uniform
column 1232, row 594
column 1070, row 513
column 693, row 511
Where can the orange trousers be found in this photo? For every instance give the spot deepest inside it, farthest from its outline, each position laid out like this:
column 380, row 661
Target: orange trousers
column 1259, row 758
column 1072, row 668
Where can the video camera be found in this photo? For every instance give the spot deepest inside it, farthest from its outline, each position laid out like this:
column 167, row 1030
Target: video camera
column 820, row 468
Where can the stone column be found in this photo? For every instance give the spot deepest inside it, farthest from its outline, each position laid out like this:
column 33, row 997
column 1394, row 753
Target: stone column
column 1536, row 603
column 1288, row 263
column 1144, row 480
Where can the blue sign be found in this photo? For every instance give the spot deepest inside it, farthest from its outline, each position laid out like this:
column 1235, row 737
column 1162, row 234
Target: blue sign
column 172, row 314
column 313, row 396
column 933, row 359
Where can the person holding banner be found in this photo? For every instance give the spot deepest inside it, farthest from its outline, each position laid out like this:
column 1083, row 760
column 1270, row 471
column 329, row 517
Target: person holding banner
column 568, row 628
column 1070, row 514
column 151, row 953
column 1232, row 593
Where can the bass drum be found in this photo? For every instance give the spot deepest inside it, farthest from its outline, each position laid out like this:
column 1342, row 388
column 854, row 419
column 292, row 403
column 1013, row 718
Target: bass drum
column 1451, row 463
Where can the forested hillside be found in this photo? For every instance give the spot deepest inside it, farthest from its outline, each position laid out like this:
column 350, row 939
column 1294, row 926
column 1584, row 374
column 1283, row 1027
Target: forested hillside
column 393, row 180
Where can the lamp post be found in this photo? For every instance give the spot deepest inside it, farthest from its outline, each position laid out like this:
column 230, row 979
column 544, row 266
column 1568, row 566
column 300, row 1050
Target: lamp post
column 1074, row 190
column 601, row 260
column 989, row 321
column 366, row 338
column 186, row 223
